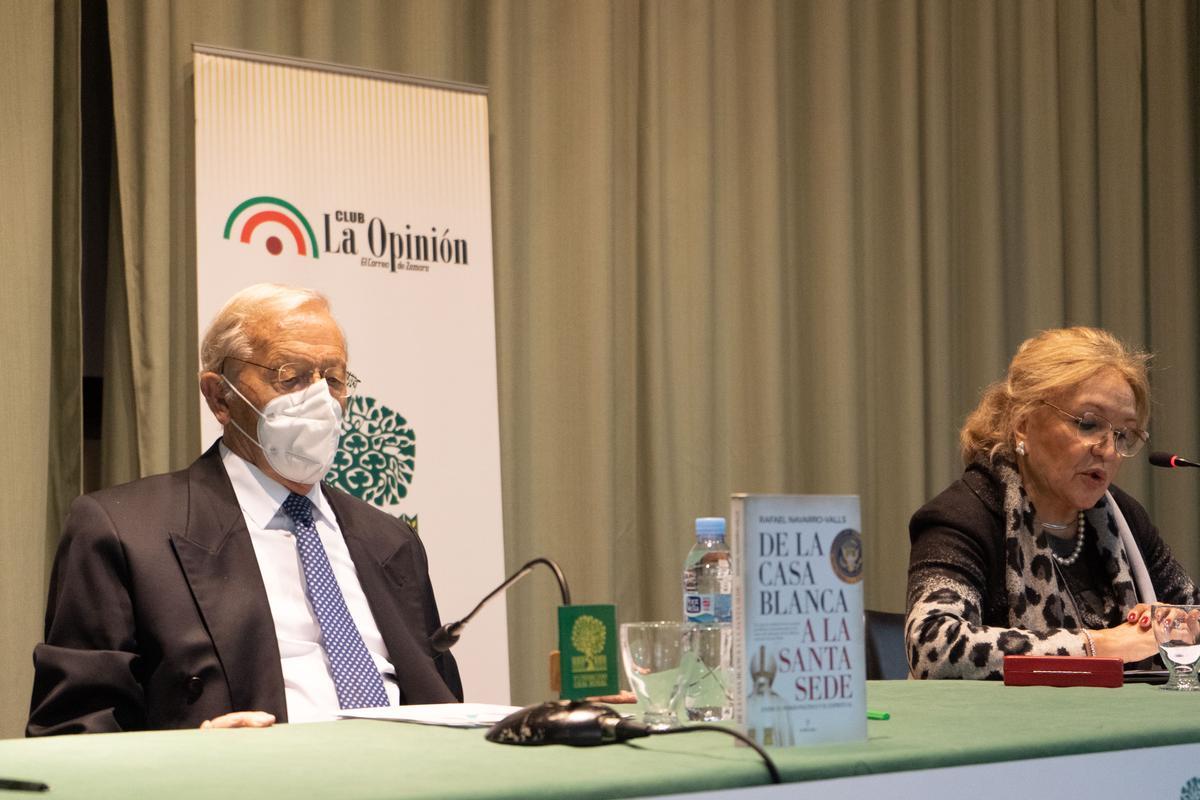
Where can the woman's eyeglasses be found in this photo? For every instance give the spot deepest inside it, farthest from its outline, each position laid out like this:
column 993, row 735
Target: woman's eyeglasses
column 1094, row 429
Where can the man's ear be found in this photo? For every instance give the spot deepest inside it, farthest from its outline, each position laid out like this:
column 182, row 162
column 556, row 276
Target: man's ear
column 214, row 390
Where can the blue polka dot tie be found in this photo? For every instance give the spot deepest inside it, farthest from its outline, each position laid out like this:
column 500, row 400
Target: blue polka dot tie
column 355, row 675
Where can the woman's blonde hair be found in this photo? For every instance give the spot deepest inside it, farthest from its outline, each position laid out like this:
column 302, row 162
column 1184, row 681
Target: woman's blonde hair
column 1046, row 366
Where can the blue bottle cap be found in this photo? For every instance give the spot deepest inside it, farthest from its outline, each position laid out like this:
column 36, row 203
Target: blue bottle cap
column 710, row 527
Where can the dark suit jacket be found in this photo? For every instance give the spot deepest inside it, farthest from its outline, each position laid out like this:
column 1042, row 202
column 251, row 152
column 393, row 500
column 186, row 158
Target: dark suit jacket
column 158, row 618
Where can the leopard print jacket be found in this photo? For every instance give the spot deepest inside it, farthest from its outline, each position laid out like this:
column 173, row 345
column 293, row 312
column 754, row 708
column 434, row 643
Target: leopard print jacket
column 982, row 586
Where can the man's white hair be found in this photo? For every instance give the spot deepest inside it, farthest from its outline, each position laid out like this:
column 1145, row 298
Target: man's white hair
column 228, row 334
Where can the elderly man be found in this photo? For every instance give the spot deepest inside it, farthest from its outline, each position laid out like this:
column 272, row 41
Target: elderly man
column 241, row 591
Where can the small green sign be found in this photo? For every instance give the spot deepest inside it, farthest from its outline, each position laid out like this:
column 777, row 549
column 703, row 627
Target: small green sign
column 587, row 643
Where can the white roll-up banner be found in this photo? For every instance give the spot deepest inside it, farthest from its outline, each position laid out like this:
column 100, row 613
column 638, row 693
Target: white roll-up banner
column 375, row 190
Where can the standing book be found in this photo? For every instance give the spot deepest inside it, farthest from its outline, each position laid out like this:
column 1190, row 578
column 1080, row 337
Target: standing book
column 799, row 659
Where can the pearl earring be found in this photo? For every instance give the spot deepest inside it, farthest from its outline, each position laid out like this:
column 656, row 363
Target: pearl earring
column 1020, row 448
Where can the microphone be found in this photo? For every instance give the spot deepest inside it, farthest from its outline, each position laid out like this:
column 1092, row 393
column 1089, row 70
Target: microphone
column 1169, row 460
column 447, row 636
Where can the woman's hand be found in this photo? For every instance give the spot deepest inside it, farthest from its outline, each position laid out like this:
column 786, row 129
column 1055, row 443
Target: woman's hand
column 1140, row 616
column 1129, row 641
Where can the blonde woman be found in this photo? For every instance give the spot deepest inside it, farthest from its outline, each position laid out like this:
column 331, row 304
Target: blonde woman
column 1034, row 551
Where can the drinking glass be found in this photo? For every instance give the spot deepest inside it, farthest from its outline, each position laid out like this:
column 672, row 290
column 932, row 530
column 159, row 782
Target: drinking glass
column 652, row 653
column 1177, row 631
column 708, row 693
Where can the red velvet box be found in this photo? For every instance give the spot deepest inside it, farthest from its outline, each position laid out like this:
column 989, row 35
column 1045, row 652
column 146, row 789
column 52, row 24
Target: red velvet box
column 1063, row 671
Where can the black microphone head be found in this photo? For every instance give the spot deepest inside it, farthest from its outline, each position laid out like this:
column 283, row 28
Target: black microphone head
column 446, row 637
column 1160, row 459
column 1170, row 460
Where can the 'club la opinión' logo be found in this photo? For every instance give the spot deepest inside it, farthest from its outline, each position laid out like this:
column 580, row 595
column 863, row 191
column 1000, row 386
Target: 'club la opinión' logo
column 273, row 211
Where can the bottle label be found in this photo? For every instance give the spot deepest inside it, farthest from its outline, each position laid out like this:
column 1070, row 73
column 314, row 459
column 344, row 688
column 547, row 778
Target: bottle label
column 723, row 607
column 707, row 607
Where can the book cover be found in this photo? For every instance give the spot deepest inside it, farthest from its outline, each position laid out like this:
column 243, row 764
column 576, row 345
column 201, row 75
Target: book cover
column 799, row 655
column 587, row 642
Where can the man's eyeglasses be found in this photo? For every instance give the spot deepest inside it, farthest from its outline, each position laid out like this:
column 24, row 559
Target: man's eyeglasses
column 1093, row 430
column 296, row 375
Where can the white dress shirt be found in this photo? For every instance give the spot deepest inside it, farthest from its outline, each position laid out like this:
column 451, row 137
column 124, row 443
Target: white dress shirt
column 307, row 680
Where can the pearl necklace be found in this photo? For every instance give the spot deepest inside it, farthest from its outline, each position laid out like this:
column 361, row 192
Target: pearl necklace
column 1067, row 561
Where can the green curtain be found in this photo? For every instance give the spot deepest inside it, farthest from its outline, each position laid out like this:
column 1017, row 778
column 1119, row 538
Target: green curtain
column 39, row 321
column 755, row 246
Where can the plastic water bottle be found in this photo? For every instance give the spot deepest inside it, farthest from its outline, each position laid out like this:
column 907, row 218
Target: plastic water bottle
column 708, row 575
column 708, row 602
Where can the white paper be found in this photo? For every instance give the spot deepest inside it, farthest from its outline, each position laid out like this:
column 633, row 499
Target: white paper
column 451, row 715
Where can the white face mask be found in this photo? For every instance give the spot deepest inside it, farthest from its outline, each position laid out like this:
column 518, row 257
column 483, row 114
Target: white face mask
column 298, row 432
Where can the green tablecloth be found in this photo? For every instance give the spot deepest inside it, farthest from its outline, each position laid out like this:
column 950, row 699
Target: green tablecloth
column 933, row 724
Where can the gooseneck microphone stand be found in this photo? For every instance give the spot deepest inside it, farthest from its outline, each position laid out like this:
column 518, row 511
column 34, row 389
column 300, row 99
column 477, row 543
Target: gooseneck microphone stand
column 448, row 635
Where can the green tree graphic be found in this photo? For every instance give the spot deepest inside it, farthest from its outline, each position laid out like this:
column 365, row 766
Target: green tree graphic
column 377, row 454
column 587, row 636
